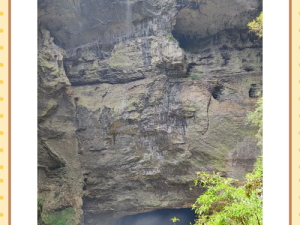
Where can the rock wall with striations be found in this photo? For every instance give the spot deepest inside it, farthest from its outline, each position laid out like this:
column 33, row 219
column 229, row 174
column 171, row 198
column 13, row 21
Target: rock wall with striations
column 60, row 178
column 135, row 96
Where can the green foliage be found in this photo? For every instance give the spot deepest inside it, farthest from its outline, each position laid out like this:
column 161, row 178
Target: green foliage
column 229, row 202
column 174, row 219
column 256, row 118
column 40, row 204
column 194, row 76
column 172, row 38
column 40, row 210
column 256, row 25
column 64, row 217
column 255, row 179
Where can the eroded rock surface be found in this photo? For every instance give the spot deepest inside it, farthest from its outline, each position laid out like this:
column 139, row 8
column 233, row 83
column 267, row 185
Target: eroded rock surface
column 60, row 179
column 128, row 113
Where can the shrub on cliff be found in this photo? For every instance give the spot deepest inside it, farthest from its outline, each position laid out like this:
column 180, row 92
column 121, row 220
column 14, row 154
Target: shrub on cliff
column 40, row 211
column 229, row 202
column 256, row 25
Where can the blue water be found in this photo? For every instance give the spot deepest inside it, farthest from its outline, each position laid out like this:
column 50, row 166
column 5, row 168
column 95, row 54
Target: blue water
column 159, row 217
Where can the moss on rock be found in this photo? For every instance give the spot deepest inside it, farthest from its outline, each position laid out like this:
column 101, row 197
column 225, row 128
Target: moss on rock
column 63, row 217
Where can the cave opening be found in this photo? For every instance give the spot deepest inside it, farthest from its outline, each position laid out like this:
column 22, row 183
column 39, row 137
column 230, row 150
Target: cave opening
column 186, row 42
column 160, row 217
column 254, row 91
column 217, row 91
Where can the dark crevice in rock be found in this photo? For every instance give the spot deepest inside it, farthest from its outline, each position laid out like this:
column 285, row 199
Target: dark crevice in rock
column 225, row 57
column 205, row 57
column 224, row 48
column 208, row 104
column 190, row 66
column 237, row 38
column 106, row 82
column 188, row 4
column 248, row 68
column 254, row 46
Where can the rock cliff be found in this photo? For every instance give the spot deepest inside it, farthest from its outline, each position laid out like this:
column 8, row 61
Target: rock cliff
column 137, row 95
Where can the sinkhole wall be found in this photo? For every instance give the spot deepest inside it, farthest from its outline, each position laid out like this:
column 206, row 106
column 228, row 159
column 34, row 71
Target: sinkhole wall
column 136, row 96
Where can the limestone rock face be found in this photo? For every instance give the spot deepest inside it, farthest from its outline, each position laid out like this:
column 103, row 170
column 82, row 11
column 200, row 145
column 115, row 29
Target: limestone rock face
column 201, row 18
column 60, row 179
column 128, row 61
column 135, row 96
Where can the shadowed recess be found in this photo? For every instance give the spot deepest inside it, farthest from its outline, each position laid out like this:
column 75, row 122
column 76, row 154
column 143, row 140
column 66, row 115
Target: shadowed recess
column 159, row 217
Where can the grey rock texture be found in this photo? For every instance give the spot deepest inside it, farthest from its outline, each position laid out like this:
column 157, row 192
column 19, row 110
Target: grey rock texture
column 60, row 177
column 128, row 113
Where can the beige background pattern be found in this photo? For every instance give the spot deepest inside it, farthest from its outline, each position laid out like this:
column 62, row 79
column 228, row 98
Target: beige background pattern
column 4, row 113
column 295, row 45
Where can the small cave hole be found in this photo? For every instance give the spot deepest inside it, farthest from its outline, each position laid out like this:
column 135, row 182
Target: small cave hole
column 254, row 91
column 130, row 122
column 248, row 68
column 217, row 91
column 224, row 47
